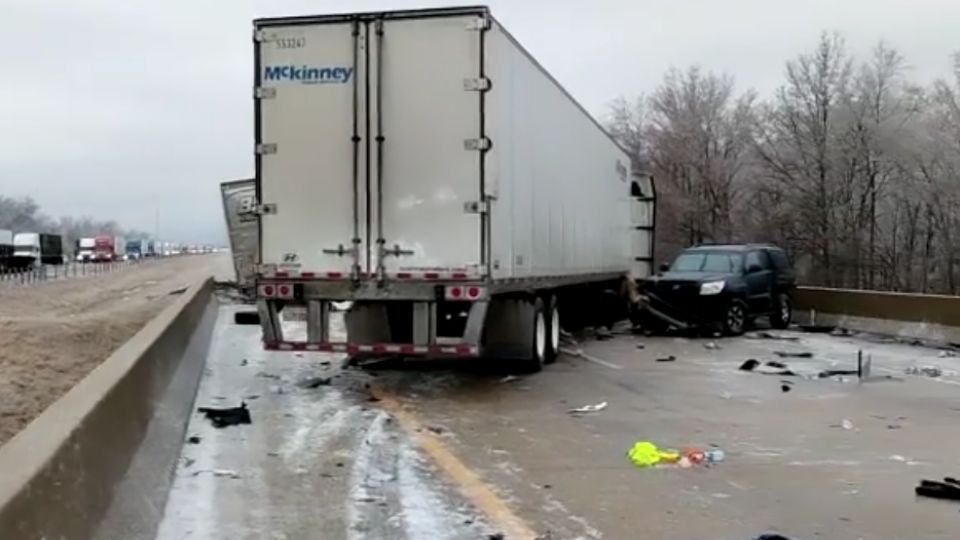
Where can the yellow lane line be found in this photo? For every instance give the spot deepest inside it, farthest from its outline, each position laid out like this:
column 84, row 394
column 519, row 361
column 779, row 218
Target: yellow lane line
column 478, row 492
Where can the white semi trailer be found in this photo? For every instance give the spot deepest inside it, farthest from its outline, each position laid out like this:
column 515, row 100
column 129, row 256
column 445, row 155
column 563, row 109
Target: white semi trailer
column 422, row 165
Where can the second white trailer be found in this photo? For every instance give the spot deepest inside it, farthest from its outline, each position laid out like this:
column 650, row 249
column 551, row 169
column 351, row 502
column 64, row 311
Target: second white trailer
column 425, row 166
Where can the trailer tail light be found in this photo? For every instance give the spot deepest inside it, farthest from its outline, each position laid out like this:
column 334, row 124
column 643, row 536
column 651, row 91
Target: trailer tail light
column 461, row 293
column 283, row 291
column 267, row 291
column 454, row 293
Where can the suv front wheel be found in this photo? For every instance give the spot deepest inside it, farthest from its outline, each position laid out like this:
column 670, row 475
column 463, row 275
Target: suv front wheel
column 782, row 311
column 735, row 317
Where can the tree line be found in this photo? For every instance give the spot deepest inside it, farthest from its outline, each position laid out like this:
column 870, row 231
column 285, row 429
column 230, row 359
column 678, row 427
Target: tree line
column 24, row 215
column 850, row 166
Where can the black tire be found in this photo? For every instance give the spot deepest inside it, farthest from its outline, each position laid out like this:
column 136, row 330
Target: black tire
column 552, row 319
column 782, row 311
column 538, row 340
column 735, row 317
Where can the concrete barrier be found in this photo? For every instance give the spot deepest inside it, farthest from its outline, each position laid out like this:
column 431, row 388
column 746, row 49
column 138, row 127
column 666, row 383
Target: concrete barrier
column 922, row 316
column 99, row 461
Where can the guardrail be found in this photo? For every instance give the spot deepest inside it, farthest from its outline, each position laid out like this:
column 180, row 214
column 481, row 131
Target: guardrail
column 98, row 462
column 925, row 316
column 52, row 272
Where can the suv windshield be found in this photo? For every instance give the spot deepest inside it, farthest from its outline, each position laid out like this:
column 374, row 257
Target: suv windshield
column 709, row 261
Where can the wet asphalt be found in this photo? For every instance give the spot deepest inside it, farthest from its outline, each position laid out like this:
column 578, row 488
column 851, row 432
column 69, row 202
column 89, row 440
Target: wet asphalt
column 830, row 458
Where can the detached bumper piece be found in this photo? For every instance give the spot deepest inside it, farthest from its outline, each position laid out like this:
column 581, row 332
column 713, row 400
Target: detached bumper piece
column 696, row 311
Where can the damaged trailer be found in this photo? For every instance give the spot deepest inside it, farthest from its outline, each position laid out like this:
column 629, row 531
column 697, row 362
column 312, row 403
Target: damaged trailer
column 423, row 166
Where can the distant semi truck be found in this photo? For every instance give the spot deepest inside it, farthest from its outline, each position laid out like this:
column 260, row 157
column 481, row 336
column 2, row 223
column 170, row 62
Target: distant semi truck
column 105, row 249
column 136, row 249
column 85, row 249
column 35, row 249
column 467, row 205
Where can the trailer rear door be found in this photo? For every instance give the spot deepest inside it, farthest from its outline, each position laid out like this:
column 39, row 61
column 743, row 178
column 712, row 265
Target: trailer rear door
column 310, row 156
column 426, row 78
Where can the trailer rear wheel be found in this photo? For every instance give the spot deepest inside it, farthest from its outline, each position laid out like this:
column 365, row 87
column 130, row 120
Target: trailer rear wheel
column 538, row 354
column 552, row 318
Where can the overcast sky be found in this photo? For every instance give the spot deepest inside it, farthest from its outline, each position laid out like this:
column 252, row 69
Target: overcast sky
column 120, row 109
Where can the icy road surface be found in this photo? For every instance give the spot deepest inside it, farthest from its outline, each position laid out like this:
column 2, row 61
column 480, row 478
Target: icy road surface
column 455, row 451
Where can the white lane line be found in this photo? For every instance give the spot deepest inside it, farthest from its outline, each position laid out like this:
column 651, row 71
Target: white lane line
column 365, row 476
column 578, row 353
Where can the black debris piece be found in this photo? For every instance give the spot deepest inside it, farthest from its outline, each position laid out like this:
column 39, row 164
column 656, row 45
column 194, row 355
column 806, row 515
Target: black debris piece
column 325, row 363
column 316, row 382
column 339, row 464
column 437, row 430
column 750, row 365
column 547, row 486
column 193, row 439
column 782, row 373
column 894, row 426
column 266, row 375
column 785, row 388
column 222, row 418
column 670, row 358
column 373, row 399
column 785, row 354
column 641, row 346
column 771, row 537
column 775, row 364
column 244, row 362
column 181, row 290
column 948, row 489
column 251, row 318
column 496, row 536
column 835, row 372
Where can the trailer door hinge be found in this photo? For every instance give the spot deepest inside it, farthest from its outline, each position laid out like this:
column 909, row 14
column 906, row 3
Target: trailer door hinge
column 483, row 143
column 480, row 23
column 266, row 209
column 267, row 148
column 262, row 36
column 476, row 207
column 476, row 84
column 265, row 92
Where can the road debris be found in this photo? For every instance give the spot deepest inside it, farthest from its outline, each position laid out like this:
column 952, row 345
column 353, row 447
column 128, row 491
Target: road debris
column 670, row 358
column 786, row 354
column 947, row 354
column 175, row 292
column 771, row 335
column 771, row 537
column 645, row 454
column 785, row 388
column 836, row 372
column 749, row 365
column 315, row 382
column 845, row 424
column 711, row 345
column 222, row 473
column 928, row 371
column 193, row 439
column 641, row 346
column 817, row 328
column 948, row 489
column 509, row 378
column 265, row 375
column 222, row 418
column 775, row 364
column 586, row 409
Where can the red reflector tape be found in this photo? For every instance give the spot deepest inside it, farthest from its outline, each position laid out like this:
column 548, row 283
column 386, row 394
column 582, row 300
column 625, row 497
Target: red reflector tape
column 335, row 275
column 403, row 275
column 431, row 275
column 458, row 276
column 307, row 274
column 281, row 274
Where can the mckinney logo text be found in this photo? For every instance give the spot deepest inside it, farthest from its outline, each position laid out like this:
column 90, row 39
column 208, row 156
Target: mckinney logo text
column 308, row 74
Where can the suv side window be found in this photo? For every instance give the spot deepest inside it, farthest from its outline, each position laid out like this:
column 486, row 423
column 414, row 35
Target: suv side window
column 758, row 258
column 780, row 261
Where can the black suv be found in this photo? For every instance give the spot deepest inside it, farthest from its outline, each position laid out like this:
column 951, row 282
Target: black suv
column 722, row 286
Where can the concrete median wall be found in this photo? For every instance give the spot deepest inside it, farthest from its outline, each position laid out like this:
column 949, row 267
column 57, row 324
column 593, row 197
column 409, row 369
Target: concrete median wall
column 99, row 461
column 923, row 316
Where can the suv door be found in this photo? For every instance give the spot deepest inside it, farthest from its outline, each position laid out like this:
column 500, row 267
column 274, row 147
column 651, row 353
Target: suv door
column 783, row 278
column 759, row 278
